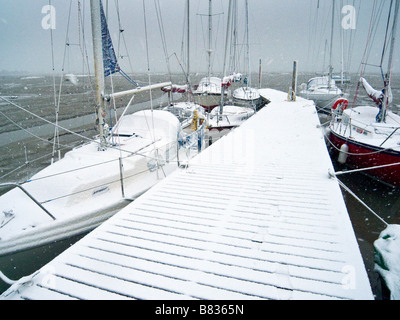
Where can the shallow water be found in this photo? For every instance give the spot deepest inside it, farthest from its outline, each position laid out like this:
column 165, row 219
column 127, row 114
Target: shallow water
column 20, row 150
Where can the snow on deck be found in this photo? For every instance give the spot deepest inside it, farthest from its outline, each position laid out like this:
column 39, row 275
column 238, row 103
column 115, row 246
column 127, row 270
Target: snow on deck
column 255, row 216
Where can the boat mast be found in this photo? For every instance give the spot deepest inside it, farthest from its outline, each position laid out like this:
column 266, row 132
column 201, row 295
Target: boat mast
column 234, row 44
column 228, row 32
column 209, row 51
column 189, row 90
column 99, row 67
column 388, row 76
column 248, row 45
column 331, row 49
column 341, row 53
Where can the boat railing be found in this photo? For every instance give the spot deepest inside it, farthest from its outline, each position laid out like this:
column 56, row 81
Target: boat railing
column 195, row 139
column 221, row 116
column 394, row 131
column 5, row 185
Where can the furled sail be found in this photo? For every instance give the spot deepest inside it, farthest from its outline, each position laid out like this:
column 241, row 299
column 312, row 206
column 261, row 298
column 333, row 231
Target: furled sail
column 377, row 96
column 175, row 88
column 109, row 58
column 110, row 61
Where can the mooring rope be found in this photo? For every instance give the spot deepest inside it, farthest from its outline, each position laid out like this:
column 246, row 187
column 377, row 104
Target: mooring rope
column 358, row 199
column 6, row 280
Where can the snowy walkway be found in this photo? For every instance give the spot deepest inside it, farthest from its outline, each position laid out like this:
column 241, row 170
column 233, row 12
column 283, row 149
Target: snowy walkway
column 254, row 216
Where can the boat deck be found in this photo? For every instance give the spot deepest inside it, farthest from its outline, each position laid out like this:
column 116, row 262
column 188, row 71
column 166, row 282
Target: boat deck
column 254, row 216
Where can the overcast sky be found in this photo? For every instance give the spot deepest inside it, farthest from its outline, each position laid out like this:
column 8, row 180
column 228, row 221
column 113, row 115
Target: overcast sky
column 281, row 31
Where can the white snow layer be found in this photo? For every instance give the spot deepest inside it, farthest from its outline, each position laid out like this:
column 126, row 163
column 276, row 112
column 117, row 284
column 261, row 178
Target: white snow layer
column 387, row 259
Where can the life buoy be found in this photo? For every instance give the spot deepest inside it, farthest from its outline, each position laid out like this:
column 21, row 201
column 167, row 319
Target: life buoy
column 342, row 102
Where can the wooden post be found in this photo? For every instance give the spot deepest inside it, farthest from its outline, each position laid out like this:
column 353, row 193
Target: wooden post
column 292, row 91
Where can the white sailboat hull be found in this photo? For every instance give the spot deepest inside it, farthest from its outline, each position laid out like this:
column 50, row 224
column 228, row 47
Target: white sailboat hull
column 323, row 93
column 208, row 92
column 87, row 186
column 247, row 97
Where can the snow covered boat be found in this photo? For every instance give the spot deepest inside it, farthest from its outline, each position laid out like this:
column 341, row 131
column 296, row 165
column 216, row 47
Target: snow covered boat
column 322, row 91
column 231, row 117
column 387, row 259
column 364, row 143
column 93, row 181
column 369, row 137
column 80, row 191
column 208, row 92
column 248, row 97
column 185, row 111
column 341, row 78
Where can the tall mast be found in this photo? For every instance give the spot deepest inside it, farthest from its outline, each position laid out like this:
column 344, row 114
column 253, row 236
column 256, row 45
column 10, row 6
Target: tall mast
column 209, row 36
column 394, row 28
column 248, row 45
column 188, row 49
column 228, row 32
column 234, row 36
column 98, row 66
column 390, row 63
column 341, row 52
column 331, row 49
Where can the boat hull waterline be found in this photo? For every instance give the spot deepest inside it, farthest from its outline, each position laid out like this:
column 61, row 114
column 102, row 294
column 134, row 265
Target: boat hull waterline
column 364, row 156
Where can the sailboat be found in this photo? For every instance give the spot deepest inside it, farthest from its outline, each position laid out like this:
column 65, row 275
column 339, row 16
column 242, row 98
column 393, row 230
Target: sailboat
column 368, row 137
column 93, row 181
column 186, row 111
column 247, row 96
column 229, row 116
column 323, row 90
column 208, row 92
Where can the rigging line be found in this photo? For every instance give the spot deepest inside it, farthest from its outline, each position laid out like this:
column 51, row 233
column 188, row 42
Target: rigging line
column 111, row 77
column 374, row 29
column 45, row 120
column 378, row 18
column 362, row 202
column 56, row 138
column 164, row 44
column 366, row 169
column 162, row 34
column 386, row 33
column 353, row 35
column 121, row 33
column 67, row 36
column 60, row 127
column 30, row 133
column 85, row 56
column 152, row 131
column 368, row 37
column 362, row 66
column 116, row 3
column 135, row 153
column 148, row 58
column 32, row 161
